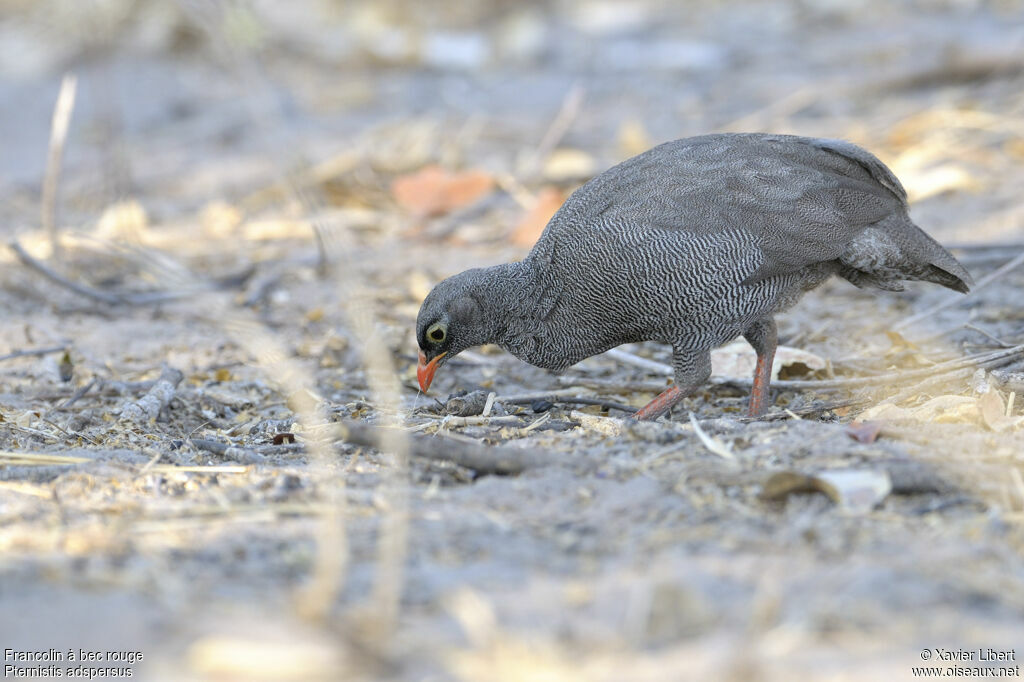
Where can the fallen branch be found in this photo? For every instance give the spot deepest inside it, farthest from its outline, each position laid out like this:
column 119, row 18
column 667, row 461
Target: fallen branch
column 105, row 387
column 142, row 298
column 566, row 400
column 148, row 407
column 78, row 395
column 227, row 451
column 940, row 382
column 479, row 420
column 498, row 459
column 992, row 359
column 32, row 352
column 812, row 411
column 613, row 385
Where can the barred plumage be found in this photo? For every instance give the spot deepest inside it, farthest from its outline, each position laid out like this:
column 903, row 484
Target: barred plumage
column 692, row 243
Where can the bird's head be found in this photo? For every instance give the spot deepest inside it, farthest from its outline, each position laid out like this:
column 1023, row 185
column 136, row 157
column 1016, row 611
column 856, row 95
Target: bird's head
column 452, row 318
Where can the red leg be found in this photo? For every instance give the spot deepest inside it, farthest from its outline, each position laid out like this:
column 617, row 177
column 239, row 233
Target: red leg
column 764, row 340
column 692, row 367
column 660, row 405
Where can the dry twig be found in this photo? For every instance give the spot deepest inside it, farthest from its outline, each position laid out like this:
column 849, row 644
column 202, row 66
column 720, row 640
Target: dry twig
column 567, row 400
column 141, row 298
column 227, row 451
column 992, row 359
column 78, row 395
column 954, row 300
column 148, row 407
column 501, row 460
column 32, row 352
column 570, row 108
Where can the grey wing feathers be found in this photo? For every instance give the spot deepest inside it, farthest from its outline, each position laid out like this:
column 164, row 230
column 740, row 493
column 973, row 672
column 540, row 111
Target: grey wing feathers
column 842, row 189
column 878, row 170
column 798, row 201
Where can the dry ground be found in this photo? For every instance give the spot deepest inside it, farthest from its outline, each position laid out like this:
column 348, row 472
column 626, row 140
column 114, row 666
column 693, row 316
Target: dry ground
column 241, row 162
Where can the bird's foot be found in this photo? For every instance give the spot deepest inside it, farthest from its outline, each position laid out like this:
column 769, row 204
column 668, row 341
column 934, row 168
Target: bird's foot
column 756, row 409
column 660, row 405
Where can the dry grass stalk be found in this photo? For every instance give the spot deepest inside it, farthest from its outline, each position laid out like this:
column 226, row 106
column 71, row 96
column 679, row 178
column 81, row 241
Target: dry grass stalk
column 40, row 459
column 957, row 299
column 58, row 135
column 570, row 109
column 316, row 598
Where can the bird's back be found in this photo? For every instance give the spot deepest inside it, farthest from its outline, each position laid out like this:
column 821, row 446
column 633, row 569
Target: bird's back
column 720, row 225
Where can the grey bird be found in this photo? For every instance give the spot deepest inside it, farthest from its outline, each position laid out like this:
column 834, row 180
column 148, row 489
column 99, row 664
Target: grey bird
column 692, row 243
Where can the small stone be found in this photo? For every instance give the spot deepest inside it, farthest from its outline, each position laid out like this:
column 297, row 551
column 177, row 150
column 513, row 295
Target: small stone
column 541, row 405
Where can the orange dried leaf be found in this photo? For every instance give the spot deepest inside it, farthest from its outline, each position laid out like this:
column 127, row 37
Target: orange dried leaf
column 864, row 432
column 433, row 191
column 549, row 200
column 899, row 343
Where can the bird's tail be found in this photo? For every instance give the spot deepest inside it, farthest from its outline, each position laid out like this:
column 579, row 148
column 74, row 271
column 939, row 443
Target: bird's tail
column 940, row 265
column 896, row 249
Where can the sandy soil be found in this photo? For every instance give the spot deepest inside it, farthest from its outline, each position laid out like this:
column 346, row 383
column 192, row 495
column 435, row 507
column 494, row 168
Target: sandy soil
column 238, row 163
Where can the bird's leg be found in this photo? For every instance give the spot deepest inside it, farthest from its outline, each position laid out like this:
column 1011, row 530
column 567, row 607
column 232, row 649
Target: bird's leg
column 764, row 337
column 692, row 369
column 660, row 405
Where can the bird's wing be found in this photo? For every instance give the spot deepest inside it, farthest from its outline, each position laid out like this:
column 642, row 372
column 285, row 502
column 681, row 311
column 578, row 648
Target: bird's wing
column 799, row 200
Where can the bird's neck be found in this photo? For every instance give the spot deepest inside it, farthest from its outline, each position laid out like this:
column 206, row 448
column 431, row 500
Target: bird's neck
column 521, row 301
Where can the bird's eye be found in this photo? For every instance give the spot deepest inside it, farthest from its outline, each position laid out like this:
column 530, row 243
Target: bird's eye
column 437, row 332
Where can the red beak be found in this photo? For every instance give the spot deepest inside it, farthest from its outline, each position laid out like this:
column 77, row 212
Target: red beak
column 425, row 370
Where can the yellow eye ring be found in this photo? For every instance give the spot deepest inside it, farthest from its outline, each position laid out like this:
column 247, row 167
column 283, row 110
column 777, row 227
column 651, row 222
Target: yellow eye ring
column 437, row 332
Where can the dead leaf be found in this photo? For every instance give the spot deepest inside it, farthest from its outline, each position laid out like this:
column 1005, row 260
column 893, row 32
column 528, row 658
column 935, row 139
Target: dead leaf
column 857, row 491
column 985, row 410
column 864, row 432
column 905, row 352
column 433, row 191
column 220, row 219
column 924, row 183
column 419, row 285
column 230, row 657
column 569, row 164
column 123, row 221
column 738, row 360
column 271, row 229
column 529, row 229
column 899, row 343
column 784, row 483
column 994, row 412
column 606, row 426
column 633, row 138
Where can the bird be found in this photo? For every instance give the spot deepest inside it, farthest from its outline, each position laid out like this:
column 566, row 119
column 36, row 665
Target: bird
column 692, row 243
